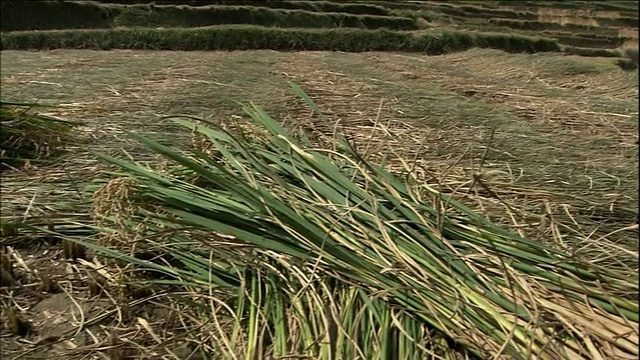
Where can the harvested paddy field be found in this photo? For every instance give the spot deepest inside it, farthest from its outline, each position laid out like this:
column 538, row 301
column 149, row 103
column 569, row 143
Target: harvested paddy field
column 543, row 144
column 191, row 179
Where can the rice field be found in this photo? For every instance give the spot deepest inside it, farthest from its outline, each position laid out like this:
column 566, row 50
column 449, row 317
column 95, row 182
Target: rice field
column 131, row 246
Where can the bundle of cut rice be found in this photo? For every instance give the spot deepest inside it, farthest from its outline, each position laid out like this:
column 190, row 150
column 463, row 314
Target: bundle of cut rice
column 29, row 136
column 331, row 256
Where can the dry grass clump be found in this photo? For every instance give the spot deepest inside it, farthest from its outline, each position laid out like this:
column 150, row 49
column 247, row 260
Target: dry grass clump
column 28, row 136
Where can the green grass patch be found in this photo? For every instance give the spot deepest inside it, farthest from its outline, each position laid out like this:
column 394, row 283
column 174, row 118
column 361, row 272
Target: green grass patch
column 545, row 28
column 573, row 50
column 315, row 6
column 328, row 6
column 49, row 15
column 397, row 5
column 417, row 14
column 27, row 136
column 577, row 5
column 36, row 15
column 556, row 4
column 480, row 12
column 613, row 33
column 253, row 37
column 184, row 16
column 605, row 42
column 615, row 5
column 627, row 64
column 621, row 22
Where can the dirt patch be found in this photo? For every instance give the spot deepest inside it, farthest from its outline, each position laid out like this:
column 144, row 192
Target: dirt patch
column 87, row 308
column 628, row 33
column 564, row 20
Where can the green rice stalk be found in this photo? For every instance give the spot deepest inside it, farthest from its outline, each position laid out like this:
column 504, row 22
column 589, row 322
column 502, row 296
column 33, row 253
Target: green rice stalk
column 419, row 267
column 29, row 136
